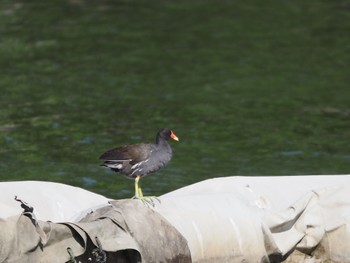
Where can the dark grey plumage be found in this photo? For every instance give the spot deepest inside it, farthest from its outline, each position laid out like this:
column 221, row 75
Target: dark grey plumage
column 140, row 159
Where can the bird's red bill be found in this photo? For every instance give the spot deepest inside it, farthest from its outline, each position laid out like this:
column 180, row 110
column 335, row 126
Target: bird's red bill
column 173, row 136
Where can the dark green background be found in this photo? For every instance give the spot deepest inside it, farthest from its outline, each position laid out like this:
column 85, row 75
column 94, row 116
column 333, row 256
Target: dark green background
column 249, row 87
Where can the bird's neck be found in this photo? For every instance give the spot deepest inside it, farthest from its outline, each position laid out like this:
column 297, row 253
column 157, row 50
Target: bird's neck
column 161, row 142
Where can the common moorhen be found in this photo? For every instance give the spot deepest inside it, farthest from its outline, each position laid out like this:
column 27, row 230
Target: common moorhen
column 137, row 160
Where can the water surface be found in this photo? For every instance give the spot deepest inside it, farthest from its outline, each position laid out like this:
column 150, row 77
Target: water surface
column 250, row 88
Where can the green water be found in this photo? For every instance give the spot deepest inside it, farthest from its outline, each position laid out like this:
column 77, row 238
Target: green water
column 250, row 88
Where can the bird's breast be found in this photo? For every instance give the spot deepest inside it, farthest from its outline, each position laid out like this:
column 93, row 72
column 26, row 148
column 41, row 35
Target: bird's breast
column 156, row 161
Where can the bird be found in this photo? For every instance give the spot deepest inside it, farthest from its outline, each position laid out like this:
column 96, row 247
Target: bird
column 137, row 160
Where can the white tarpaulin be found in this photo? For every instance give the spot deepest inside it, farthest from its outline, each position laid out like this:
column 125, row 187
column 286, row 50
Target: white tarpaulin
column 51, row 201
column 249, row 219
column 231, row 219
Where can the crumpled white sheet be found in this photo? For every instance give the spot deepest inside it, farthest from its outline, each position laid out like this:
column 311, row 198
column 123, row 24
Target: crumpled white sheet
column 262, row 219
column 51, row 201
column 230, row 219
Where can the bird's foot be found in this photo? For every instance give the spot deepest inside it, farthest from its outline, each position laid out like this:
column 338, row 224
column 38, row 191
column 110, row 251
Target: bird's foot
column 147, row 200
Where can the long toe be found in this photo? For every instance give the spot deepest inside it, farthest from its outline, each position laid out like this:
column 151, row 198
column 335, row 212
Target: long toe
column 148, row 200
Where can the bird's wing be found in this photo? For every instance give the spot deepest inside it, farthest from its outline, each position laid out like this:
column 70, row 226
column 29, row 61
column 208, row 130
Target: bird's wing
column 135, row 153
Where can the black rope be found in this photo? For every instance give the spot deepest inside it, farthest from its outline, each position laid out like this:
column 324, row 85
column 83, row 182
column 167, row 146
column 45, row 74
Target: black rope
column 71, row 255
column 28, row 210
column 99, row 255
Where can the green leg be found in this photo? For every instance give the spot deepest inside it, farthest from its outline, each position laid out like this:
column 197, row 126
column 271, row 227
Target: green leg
column 148, row 200
column 140, row 192
column 137, row 189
